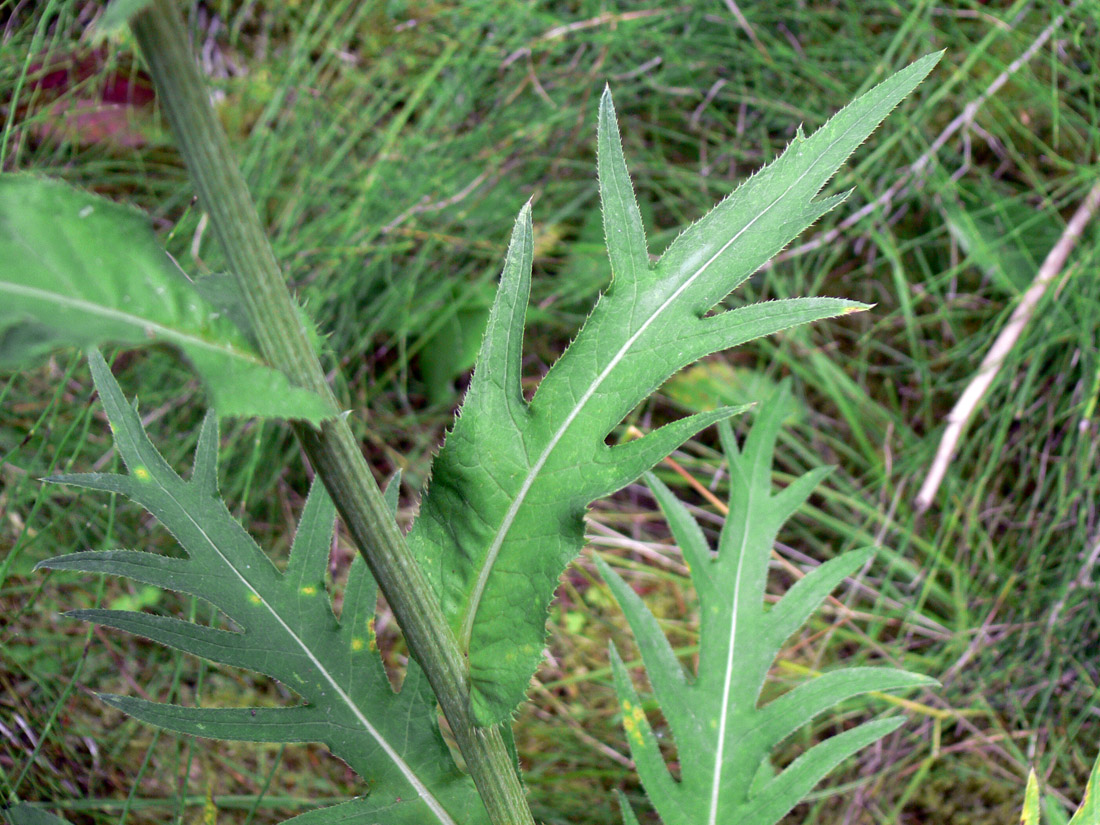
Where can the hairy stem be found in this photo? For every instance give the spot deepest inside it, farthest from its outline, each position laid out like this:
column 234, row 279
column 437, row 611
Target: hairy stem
column 332, row 448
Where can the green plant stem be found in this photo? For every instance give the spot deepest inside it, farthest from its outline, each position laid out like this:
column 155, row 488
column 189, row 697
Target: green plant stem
column 332, row 448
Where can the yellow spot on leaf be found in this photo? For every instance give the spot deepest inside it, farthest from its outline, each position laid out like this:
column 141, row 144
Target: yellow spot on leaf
column 308, row 590
column 357, row 644
column 372, row 638
column 252, row 597
column 637, row 724
column 633, row 721
column 141, row 474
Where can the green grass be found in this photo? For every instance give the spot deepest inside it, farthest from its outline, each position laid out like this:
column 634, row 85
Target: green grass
column 389, row 155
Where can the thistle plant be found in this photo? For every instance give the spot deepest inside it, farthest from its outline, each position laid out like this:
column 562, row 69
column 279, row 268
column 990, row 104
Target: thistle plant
column 502, row 516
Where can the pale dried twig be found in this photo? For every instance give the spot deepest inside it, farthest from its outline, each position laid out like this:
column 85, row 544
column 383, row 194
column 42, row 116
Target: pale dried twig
column 920, row 166
column 959, row 417
column 735, row 10
column 606, row 18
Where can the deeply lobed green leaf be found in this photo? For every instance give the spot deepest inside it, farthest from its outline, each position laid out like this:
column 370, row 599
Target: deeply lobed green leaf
column 503, row 514
column 79, row 270
column 723, row 735
column 287, row 631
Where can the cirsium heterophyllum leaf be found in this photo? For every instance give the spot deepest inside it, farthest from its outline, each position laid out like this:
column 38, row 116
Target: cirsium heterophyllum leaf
column 503, row 514
column 287, row 631
column 723, row 736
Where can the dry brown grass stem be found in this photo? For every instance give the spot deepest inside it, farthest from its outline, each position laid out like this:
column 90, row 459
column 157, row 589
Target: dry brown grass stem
column 921, row 165
column 965, row 407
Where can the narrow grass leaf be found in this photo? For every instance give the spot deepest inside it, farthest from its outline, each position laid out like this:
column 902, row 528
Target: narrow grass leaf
column 503, row 514
column 287, row 631
column 77, row 271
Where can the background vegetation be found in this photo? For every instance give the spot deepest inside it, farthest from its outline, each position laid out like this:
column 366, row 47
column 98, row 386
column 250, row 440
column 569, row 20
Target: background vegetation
column 389, row 146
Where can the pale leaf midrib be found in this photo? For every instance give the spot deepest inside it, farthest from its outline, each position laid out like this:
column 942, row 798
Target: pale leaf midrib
column 528, row 482
column 727, row 684
column 421, row 789
column 143, row 325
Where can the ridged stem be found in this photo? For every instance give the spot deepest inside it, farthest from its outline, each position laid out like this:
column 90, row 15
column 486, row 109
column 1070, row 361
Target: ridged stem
column 332, row 448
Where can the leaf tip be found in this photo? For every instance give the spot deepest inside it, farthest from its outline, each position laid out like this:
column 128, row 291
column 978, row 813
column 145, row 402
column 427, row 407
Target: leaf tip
column 524, row 222
column 933, row 57
column 118, row 14
column 96, row 359
column 612, row 649
column 858, row 308
column 1030, row 814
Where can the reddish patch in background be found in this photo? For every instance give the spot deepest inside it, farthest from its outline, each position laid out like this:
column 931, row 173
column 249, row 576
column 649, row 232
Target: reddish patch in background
column 109, row 107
